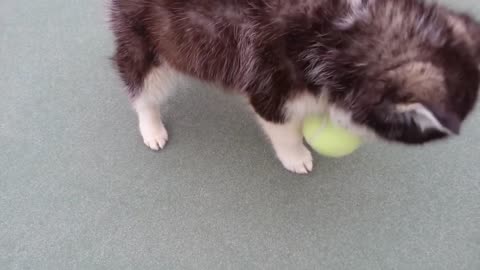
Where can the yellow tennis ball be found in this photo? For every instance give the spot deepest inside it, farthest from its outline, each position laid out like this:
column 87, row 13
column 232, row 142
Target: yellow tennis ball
column 328, row 139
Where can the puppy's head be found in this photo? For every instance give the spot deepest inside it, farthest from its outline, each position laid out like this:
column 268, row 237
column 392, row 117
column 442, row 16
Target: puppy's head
column 422, row 84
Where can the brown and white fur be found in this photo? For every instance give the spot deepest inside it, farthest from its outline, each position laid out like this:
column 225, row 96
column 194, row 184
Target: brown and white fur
column 402, row 70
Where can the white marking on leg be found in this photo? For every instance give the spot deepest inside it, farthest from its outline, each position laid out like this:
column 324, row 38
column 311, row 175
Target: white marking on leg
column 305, row 105
column 153, row 131
column 287, row 141
column 157, row 87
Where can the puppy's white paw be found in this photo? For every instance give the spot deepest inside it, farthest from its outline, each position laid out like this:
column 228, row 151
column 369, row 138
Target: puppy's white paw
column 297, row 160
column 155, row 136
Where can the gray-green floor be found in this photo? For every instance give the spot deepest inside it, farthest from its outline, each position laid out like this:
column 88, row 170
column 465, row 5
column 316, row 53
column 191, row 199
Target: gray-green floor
column 78, row 190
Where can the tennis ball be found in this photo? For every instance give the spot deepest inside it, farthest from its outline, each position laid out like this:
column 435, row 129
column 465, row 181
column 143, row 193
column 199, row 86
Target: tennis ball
column 328, row 139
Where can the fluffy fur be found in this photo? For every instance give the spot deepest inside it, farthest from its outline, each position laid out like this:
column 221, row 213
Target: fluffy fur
column 401, row 70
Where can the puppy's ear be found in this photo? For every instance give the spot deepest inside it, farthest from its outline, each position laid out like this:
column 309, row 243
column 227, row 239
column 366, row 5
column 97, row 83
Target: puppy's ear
column 428, row 119
column 467, row 28
column 413, row 123
column 473, row 28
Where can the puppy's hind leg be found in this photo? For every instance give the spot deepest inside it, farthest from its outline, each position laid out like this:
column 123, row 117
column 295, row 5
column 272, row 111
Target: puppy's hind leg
column 148, row 79
column 149, row 83
column 156, row 87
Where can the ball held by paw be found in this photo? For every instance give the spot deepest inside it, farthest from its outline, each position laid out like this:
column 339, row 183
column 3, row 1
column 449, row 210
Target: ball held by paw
column 329, row 139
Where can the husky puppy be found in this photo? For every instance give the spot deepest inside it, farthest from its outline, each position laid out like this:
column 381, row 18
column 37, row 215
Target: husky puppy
column 401, row 70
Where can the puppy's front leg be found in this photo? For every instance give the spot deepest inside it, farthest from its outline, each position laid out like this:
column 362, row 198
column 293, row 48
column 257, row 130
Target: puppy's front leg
column 270, row 102
column 287, row 141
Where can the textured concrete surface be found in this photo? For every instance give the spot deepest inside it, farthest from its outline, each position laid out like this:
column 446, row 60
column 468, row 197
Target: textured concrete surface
column 78, row 190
